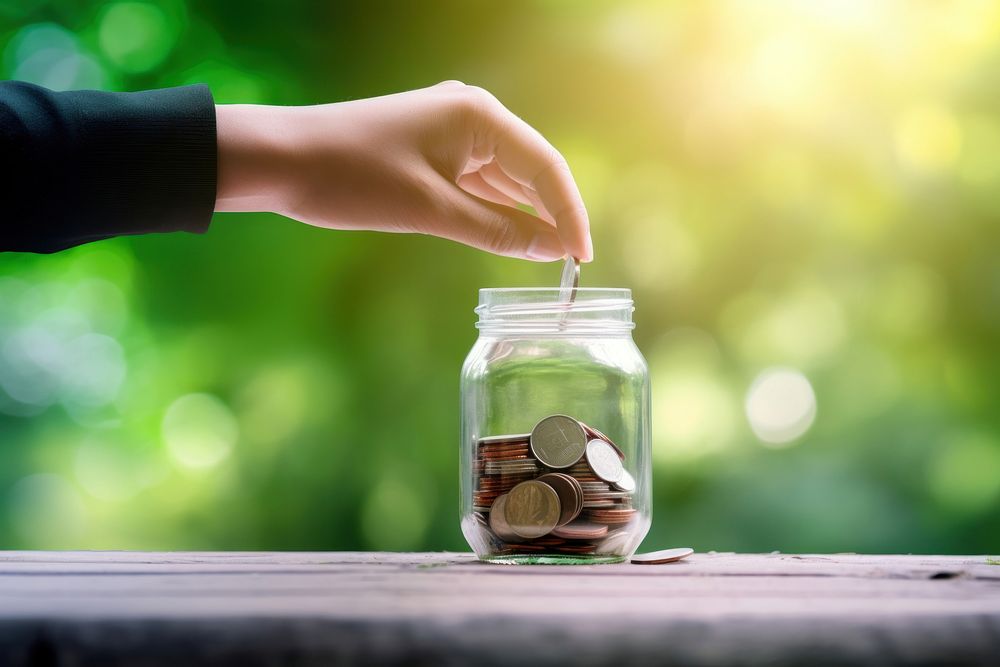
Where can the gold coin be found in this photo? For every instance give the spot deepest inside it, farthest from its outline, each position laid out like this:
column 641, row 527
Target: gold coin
column 558, row 441
column 569, row 492
column 532, row 509
column 498, row 520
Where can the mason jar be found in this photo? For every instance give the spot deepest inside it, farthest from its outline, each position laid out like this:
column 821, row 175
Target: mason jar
column 555, row 449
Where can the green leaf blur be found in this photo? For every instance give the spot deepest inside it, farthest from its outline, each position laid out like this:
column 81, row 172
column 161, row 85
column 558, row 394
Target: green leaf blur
column 803, row 196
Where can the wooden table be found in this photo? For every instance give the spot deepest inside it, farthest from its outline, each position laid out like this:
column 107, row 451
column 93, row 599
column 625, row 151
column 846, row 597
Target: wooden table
column 117, row 608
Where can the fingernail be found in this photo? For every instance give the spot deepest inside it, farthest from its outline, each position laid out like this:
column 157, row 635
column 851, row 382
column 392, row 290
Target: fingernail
column 545, row 248
column 589, row 254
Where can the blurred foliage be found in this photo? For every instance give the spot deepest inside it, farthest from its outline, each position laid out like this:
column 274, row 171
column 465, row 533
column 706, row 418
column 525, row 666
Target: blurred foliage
column 803, row 196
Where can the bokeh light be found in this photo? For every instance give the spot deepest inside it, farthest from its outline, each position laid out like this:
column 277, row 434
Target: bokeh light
column 135, row 36
column 966, row 472
column 395, row 516
column 780, row 405
column 49, row 55
column 199, row 430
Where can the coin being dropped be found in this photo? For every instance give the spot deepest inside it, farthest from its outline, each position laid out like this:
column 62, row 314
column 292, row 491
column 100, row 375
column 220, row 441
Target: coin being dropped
column 532, row 509
column 558, row 441
column 570, row 280
column 664, row 556
column 604, row 461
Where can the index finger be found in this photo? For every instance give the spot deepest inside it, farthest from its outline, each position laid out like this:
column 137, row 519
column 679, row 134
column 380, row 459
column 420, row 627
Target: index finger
column 525, row 155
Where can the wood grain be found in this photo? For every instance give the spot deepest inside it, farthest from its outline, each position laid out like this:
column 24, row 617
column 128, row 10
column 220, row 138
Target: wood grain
column 135, row 608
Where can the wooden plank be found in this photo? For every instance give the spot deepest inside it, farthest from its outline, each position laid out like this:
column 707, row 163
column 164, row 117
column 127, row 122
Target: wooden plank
column 445, row 608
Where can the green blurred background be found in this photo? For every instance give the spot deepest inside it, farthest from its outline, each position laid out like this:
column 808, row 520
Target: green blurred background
column 803, row 196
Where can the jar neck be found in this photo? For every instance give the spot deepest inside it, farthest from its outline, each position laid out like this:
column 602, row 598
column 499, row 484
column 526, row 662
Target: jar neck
column 545, row 312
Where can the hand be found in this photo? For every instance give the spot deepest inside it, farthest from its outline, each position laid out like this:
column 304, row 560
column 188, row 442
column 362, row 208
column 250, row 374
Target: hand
column 448, row 160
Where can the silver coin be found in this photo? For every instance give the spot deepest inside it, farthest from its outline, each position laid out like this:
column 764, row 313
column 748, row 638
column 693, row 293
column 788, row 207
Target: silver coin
column 664, row 556
column 604, row 461
column 625, row 483
column 558, row 441
column 570, row 280
column 616, row 542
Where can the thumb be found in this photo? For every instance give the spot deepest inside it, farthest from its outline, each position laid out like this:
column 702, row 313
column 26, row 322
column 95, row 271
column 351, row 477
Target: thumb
column 499, row 229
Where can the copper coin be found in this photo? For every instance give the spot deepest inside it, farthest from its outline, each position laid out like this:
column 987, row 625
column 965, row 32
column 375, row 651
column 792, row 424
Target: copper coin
column 505, row 439
column 664, row 556
column 581, row 530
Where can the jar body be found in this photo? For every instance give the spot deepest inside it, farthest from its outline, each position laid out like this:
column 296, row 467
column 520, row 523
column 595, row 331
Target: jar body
column 567, row 368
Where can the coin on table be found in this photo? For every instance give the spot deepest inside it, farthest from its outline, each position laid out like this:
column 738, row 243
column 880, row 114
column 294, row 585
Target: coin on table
column 625, row 483
column 604, row 461
column 558, row 441
column 569, row 492
column 532, row 509
column 498, row 520
column 664, row 556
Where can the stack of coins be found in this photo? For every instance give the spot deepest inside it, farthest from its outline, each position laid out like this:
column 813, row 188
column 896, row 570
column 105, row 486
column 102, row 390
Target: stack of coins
column 560, row 489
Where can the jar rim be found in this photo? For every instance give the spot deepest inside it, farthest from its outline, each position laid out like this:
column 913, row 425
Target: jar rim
column 545, row 309
column 624, row 291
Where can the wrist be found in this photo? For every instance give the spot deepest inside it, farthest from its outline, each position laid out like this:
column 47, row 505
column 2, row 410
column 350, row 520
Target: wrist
column 253, row 157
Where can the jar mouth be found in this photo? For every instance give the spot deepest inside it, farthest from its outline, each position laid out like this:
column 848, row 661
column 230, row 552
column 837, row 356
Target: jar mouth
column 547, row 309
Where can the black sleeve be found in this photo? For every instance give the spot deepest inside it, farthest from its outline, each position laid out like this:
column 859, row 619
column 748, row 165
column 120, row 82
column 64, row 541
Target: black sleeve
column 87, row 165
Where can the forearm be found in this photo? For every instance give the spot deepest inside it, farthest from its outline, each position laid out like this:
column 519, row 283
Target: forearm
column 255, row 145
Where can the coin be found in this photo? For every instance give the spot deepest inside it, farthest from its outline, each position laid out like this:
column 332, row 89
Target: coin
column 664, row 556
column 532, row 509
column 594, row 433
column 581, row 530
column 570, row 280
column 558, row 441
column 504, row 439
column 604, row 461
column 498, row 520
column 569, row 492
column 503, row 467
column 612, row 517
column 626, row 483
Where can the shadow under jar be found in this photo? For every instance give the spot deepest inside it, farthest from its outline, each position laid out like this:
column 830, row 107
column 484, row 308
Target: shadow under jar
column 555, row 451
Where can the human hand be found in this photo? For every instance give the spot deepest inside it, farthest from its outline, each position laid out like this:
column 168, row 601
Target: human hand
column 448, row 160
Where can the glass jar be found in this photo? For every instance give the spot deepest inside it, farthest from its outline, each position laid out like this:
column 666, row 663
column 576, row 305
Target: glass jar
column 555, row 450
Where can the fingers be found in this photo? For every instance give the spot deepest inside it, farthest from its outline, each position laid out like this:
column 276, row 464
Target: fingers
column 527, row 158
column 492, row 174
column 475, row 184
column 502, row 230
